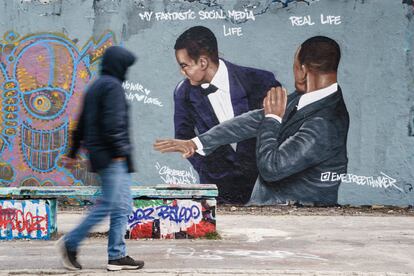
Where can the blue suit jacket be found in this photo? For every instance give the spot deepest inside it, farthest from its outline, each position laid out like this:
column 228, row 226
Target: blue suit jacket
column 194, row 115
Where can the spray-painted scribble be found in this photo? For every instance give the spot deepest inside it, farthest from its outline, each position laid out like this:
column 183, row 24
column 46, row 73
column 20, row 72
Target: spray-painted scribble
column 175, row 214
column 168, row 219
column 137, row 87
column 384, row 181
column 42, row 81
column 24, row 219
column 131, row 94
column 173, row 176
column 286, row 3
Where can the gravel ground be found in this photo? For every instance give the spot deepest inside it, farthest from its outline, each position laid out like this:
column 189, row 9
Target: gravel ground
column 374, row 210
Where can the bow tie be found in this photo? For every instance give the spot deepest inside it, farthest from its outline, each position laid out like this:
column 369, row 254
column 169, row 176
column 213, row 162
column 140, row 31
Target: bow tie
column 210, row 89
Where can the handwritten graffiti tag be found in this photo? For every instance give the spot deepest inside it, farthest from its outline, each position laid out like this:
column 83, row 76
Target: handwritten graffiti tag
column 173, row 176
column 167, row 219
column 29, row 219
column 138, row 93
column 383, row 181
column 175, row 214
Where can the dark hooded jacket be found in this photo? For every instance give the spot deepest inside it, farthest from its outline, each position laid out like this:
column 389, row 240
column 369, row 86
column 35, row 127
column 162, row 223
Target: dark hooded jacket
column 103, row 125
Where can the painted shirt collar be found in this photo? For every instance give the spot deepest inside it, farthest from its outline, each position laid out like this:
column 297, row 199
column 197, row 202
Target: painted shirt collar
column 317, row 95
column 221, row 78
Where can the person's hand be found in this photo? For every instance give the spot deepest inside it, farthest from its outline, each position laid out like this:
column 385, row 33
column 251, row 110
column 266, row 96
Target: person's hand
column 275, row 101
column 186, row 147
column 67, row 162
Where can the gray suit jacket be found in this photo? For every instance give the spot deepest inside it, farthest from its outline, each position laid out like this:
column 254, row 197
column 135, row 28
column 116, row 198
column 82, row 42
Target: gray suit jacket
column 292, row 157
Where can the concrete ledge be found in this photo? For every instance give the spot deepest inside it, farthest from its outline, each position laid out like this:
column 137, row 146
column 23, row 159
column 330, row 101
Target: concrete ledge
column 156, row 191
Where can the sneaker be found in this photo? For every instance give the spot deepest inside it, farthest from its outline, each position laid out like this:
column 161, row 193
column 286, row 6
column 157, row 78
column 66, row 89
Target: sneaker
column 68, row 257
column 125, row 263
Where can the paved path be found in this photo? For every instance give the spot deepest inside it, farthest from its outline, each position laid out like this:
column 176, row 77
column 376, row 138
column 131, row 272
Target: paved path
column 250, row 245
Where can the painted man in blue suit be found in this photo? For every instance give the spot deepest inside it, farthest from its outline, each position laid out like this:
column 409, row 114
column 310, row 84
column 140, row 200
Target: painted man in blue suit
column 215, row 91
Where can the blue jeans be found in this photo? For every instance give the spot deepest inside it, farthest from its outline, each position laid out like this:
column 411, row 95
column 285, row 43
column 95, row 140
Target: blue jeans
column 115, row 201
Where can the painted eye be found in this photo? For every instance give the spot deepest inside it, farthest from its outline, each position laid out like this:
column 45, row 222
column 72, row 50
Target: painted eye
column 42, row 103
column 47, row 103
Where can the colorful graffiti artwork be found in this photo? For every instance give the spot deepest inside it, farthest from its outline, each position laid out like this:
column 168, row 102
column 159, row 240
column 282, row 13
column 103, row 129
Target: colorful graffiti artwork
column 25, row 219
column 42, row 81
column 172, row 219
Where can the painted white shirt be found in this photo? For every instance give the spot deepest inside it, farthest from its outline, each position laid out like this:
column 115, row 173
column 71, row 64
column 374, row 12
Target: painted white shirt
column 314, row 96
column 221, row 99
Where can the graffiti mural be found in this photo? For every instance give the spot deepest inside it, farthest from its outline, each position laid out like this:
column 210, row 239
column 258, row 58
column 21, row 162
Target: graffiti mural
column 42, row 81
column 25, row 219
column 169, row 219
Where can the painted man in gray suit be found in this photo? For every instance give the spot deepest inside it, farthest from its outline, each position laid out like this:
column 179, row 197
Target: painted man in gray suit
column 300, row 138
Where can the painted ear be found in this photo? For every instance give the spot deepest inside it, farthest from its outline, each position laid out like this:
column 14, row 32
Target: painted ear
column 304, row 69
column 203, row 62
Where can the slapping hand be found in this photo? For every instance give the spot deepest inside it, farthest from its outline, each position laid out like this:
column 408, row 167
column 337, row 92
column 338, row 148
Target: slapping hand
column 186, row 147
column 275, row 101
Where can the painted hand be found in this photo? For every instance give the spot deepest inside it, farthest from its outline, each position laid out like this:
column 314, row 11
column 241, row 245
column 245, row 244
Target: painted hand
column 67, row 162
column 186, row 147
column 275, row 101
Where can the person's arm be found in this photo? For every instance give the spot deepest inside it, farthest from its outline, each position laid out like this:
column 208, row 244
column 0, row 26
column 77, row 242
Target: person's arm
column 235, row 130
column 242, row 127
column 115, row 120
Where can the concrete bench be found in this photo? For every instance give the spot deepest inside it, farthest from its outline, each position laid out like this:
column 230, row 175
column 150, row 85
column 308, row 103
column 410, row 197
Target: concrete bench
column 160, row 211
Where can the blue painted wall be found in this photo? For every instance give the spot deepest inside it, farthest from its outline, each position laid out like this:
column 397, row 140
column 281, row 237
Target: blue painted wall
column 376, row 73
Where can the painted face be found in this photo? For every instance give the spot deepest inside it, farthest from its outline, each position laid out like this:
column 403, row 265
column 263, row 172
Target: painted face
column 190, row 68
column 299, row 73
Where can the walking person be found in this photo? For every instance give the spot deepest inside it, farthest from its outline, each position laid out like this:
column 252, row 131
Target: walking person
column 103, row 130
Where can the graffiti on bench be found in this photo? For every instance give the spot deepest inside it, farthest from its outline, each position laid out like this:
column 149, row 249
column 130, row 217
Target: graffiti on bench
column 25, row 219
column 168, row 219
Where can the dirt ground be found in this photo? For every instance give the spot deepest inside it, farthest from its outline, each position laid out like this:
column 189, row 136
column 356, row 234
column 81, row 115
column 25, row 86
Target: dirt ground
column 374, row 210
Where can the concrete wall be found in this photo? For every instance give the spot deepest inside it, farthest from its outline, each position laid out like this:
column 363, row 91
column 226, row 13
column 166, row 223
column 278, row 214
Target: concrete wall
column 51, row 48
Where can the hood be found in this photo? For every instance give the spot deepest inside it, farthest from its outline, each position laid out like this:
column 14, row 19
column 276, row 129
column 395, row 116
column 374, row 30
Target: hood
column 115, row 62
